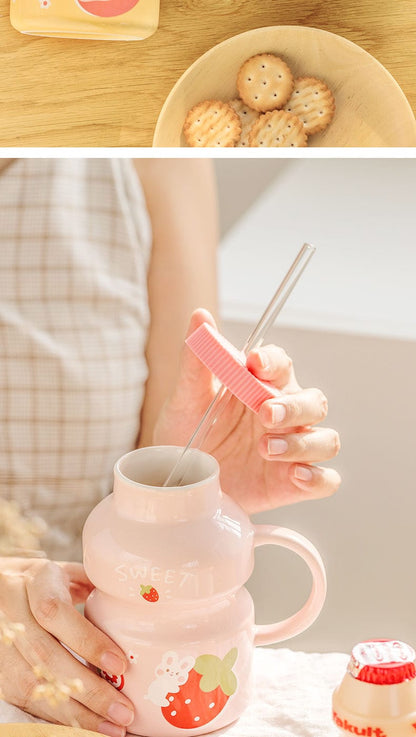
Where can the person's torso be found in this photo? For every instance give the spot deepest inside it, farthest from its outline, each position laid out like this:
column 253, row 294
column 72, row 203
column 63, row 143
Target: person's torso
column 74, row 250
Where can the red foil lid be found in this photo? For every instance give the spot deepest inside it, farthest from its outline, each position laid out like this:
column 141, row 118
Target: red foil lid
column 382, row 662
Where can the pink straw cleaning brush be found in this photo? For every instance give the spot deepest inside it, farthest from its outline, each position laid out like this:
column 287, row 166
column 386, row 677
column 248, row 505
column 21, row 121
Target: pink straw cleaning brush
column 229, row 366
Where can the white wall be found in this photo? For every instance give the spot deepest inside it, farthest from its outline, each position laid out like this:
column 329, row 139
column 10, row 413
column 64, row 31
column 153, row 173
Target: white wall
column 360, row 214
column 351, row 329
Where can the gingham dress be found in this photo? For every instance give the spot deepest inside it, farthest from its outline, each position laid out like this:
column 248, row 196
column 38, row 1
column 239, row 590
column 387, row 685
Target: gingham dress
column 74, row 249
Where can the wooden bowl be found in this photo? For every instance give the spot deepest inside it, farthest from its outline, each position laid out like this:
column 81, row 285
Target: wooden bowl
column 371, row 109
column 43, row 730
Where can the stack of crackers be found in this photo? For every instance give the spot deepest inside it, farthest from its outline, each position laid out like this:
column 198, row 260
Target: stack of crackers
column 273, row 109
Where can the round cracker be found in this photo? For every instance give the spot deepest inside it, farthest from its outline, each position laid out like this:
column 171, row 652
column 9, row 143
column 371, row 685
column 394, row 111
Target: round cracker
column 313, row 102
column 212, row 123
column 277, row 129
column 247, row 118
column 265, row 82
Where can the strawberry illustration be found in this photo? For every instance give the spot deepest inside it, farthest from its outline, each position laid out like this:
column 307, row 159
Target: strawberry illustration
column 149, row 593
column 116, row 681
column 210, row 684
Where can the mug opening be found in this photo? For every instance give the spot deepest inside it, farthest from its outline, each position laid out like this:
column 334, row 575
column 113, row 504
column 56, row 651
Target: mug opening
column 151, row 467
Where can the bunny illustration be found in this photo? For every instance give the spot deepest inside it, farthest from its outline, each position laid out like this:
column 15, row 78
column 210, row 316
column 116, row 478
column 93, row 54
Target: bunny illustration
column 171, row 673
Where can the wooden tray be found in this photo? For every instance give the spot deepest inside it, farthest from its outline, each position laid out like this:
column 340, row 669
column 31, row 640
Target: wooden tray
column 371, row 110
column 43, row 730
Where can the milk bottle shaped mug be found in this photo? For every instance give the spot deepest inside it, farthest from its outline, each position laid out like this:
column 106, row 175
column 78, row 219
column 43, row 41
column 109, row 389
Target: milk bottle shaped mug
column 113, row 20
column 169, row 566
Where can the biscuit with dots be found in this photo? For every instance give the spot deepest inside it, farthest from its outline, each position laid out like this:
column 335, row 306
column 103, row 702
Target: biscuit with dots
column 212, row 123
column 265, row 82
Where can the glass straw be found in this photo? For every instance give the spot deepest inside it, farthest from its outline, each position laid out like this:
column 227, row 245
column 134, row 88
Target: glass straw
column 254, row 340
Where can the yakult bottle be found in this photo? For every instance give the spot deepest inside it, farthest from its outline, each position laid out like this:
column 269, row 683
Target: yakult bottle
column 377, row 697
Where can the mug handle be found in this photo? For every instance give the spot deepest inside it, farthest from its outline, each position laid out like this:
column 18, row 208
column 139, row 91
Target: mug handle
column 266, row 634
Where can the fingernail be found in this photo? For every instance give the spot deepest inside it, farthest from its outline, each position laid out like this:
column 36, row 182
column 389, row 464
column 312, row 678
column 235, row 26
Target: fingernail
column 264, row 360
column 303, row 473
column 278, row 413
column 111, row 729
column 120, row 714
column 276, row 446
column 112, row 664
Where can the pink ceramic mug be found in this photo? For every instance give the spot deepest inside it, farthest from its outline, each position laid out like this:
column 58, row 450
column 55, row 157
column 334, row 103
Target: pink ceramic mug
column 169, row 566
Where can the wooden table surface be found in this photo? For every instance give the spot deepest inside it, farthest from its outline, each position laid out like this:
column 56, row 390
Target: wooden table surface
column 43, row 730
column 56, row 92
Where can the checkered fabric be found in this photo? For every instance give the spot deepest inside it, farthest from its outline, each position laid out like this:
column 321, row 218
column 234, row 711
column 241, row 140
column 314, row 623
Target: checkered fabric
column 75, row 242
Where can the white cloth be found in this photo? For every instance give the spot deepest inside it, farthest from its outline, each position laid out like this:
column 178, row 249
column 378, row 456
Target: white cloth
column 75, row 242
column 292, row 696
